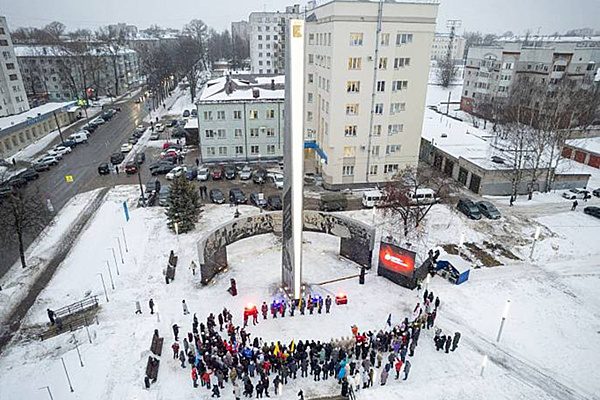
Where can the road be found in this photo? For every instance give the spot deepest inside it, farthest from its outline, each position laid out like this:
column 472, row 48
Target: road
column 82, row 165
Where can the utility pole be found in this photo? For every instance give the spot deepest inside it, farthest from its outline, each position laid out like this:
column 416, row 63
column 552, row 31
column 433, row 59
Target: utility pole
column 49, row 392
column 104, row 286
column 67, row 374
column 62, row 140
column 112, row 283
column 77, row 348
column 504, row 316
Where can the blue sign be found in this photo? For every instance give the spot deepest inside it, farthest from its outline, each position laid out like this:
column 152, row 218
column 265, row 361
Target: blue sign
column 126, row 211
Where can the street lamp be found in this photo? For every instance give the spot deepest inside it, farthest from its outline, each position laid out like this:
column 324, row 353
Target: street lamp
column 504, row 316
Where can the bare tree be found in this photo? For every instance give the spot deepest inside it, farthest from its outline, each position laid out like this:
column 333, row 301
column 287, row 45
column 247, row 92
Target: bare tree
column 446, row 71
column 114, row 44
column 400, row 200
column 22, row 213
column 189, row 61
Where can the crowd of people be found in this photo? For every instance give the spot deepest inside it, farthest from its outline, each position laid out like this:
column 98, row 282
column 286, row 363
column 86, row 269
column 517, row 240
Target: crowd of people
column 219, row 353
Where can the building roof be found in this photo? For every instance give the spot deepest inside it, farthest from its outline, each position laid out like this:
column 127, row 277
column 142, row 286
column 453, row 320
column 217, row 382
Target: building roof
column 590, row 145
column 31, row 115
column 57, row 51
column 242, row 87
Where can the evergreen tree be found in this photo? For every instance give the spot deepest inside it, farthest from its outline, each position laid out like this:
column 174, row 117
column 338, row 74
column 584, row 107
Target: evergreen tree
column 184, row 205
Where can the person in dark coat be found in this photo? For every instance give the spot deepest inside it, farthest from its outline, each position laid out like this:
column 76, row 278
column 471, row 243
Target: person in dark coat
column 220, row 318
column 151, row 304
column 176, row 332
column 344, row 387
column 182, row 358
column 574, row 206
column 407, row 366
column 264, row 309
column 50, row 314
column 327, row 304
column 437, row 303
column 448, row 343
column 455, row 340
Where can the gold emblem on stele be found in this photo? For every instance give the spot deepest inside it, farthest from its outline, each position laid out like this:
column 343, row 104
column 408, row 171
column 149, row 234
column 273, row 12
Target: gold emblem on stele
column 296, row 31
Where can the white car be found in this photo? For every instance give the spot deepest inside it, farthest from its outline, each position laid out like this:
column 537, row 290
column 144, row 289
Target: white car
column 573, row 194
column 98, row 121
column 62, row 150
column 246, row 173
column 48, row 160
column 54, row 153
column 159, row 128
column 203, row 174
column 278, row 181
column 126, row 147
column 175, row 172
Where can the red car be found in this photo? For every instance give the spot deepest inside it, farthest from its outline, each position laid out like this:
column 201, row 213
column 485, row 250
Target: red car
column 217, row 173
column 131, row 168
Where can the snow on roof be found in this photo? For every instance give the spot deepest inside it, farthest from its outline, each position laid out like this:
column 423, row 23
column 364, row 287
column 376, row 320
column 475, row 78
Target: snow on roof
column 591, row 145
column 57, row 51
column 243, row 87
column 13, row 120
column 191, row 123
column 555, row 39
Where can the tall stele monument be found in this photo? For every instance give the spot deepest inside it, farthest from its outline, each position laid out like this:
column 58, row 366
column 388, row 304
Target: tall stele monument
column 293, row 157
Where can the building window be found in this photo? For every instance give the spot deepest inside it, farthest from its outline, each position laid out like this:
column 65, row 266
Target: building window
column 396, row 108
column 385, row 39
column 253, row 132
column 392, row 148
column 390, row 168
column 349, row 151
column 237, row 114
column 354, row 63
column 221, row 115
column 401, row 62
column 10, row 66
column 221, row 134
column 237, row 133
column 270, row 114
column 378, row 109
column 356, row 39
column 208, row 115
column 383, row 63
column 395, row 128
column 373, row 170
column 3, row 42
column 353, row 86
column 222, row 150
column 270, row 149
column 376, row 130
column 239, row 150
column 375, row 151
column 209, row 134
column 311, row 59
column 210, row 151
column 348, row 170
column 399, row 85
column 381, row 86
column 259, row 37
column 13, row 77
column 309, row 97
column 311, row 38
column 253, row 114
column 311, row 78
column 270, row 132
column 352, row 109
column 254, row 150
column 350, row 130
column 404, row 38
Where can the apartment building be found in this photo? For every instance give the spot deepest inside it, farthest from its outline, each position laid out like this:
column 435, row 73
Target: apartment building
column 490, row 71
column 365, row 88
column 441, row 44
column 240, row 118
column 53, row 74
column 267, row 39
column 13, row 99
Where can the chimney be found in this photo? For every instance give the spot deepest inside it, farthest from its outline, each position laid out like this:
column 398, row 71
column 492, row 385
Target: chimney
column 272, row 84
column 255, row 93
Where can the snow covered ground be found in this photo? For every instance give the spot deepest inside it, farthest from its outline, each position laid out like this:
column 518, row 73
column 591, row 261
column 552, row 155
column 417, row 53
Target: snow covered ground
column 548, row 349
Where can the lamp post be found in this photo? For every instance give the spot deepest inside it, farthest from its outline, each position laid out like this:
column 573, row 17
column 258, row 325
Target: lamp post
column 120, row 249
column 483, row 364
column 103, row 286
column 49, row 392
column 504, row 316
column 67, row 374
column 110, row 275
column 536, row 236
column 115, row 258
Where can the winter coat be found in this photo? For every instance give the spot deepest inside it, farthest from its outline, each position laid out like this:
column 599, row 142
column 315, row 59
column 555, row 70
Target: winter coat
column 384, row 376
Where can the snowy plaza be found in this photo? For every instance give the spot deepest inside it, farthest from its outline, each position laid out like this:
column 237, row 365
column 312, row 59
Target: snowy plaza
column 546, row 350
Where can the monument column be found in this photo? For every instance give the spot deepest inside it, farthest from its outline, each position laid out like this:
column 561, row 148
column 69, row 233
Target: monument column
column 293, row 158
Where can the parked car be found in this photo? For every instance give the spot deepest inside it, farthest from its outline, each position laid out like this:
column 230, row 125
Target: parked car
column 246, row 173
column 69, row 143
column 79, row 137
column 103, row 169
column 175, row 172
column 274, row 202
column 153, row 185
column 216, row 196
column 333, row 202
column 54, row 153
column 488, row 210
column 29, row 174
column 593, row 211
column 17, row 181
column 467, row 207
column 89, row 127
column 278, row 181
column 159, row 128
column 140, row 158
column 236, row 196
column 163, row 196
column 258, row 199
column 48, row 160
column 131, row 168
column 186, row 113
column 191, row 173
column 97, row 121
column 169, row 153
column 162, row 169
column 203, row 174
column 62, row 150
column 178, row 133
column 116, row 158
column 573, row 194
column 132, row 140
column 5, row 191
column 171, row 123
column 155, row 136
column 126, row 147
column 217, row 173
column 39, row 167
column 229, row 172
column 136, row 134
column 259, row 176
column 596, row 192
column 194, row 113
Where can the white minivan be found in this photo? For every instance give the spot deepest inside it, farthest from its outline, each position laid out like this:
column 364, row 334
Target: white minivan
column 371, row 198
column 79, row 137
column 423, row 196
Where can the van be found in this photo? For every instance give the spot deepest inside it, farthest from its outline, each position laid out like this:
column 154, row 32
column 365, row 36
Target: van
column 371, row 198
column 333, row 202
column 79, row 137
column 423, row 196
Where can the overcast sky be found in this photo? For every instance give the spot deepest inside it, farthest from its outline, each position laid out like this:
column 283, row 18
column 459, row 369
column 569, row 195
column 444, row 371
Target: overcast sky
column 496, row 16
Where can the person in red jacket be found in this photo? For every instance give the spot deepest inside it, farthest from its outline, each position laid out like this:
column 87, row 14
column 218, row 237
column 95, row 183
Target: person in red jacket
column 398, row 367
column 195, row 376
column 206, row 379
column 267, row 366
